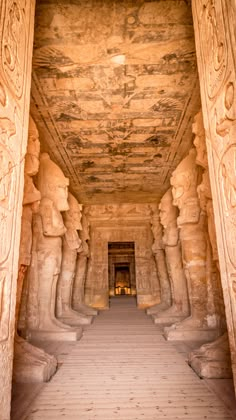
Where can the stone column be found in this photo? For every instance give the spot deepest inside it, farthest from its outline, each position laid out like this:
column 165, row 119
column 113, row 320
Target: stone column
column 16, row 41
column 192, row 225
column 48, row 229
column 180, row 305
column 214, row 24
column 81, row 271
column 31, row 364
column 71, row 245
column 210, row 360
column 160, row 259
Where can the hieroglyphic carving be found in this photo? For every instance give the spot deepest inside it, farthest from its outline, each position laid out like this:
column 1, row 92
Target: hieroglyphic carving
column 16, row 40
column 216, row 62
column 7, row 186
column 14, row 46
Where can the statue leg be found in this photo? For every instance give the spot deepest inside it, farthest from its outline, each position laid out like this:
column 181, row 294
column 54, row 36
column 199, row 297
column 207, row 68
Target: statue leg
column 179, row 309
column 196, row 326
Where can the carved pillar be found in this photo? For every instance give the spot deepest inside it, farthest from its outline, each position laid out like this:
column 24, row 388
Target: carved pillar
column 180, row 306
column 31, row 364
column 160, row 259
column 71, row 245
column 192, row 225
column 16, row 40
column 48, row 228
column 81, row 271
column 214, row 24
column 210, row 360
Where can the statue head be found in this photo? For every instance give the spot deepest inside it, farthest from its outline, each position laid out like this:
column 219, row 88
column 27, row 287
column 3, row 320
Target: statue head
column 33, row 149
column 200, row 140
column 184, row 180
column 52, row 183
column 74, row 214
column 31, row 194
column 168, row 212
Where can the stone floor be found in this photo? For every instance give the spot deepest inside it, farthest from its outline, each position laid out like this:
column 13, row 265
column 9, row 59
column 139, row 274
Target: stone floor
column 124, row 369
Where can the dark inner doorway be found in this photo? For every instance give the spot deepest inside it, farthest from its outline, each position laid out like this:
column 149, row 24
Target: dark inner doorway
column 121, row 260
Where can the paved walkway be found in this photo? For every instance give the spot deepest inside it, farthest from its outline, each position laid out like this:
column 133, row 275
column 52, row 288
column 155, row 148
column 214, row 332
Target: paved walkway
column 124, row 369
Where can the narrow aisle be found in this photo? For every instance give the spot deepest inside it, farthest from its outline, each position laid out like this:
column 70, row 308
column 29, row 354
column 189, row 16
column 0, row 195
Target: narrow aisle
column 124, row 369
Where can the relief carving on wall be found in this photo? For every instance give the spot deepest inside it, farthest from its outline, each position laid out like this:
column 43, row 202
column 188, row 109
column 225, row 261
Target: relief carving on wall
column 216, row 46
column 16, row 39
column 7, row 197
column 213, row 41
column 14, row 45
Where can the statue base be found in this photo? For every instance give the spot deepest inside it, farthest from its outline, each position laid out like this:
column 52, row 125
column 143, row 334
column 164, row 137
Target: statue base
column 57, row 335
column 211, row 369
column 173, row 333
column 85, row 309
column 76, row 320
column 32, row 364
column 167, row 319
column 157, row 308
column 32, row 371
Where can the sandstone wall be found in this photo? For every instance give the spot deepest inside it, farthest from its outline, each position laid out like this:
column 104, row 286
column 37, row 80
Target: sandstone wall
column 16, row 21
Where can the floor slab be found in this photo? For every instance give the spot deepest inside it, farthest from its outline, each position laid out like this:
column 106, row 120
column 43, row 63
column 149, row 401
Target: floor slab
column 123, row 368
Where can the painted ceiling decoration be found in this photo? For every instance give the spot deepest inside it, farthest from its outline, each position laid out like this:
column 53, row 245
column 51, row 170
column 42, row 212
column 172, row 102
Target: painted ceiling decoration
column 114, row 91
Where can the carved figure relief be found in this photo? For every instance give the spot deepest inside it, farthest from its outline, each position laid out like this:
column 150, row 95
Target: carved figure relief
column 213, row 42
column 16, row 30
column 7, row 186
column 219, row 121
column 14, row 46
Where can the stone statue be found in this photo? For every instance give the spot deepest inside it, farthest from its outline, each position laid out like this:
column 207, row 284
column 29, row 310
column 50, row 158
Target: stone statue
column 48, row 229
column 31, row 364
column 192, row 225
column 160, row 259
column 81, row 271
column 211, row 360
column 71, row 245
column 180, row 305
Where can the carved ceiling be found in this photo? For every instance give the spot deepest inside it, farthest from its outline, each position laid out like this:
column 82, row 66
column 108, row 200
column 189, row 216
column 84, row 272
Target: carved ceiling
column 114, row 91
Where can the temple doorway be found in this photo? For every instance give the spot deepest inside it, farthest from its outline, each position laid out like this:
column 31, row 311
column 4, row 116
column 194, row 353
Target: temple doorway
column 121, row 268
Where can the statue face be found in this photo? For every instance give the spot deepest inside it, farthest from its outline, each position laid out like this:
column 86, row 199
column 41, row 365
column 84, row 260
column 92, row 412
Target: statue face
column 178, row 190
column 52, row 183
column 163, row 215
column 184, row 180
column 76, row 213
column 60, row 194
column 168, row 212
